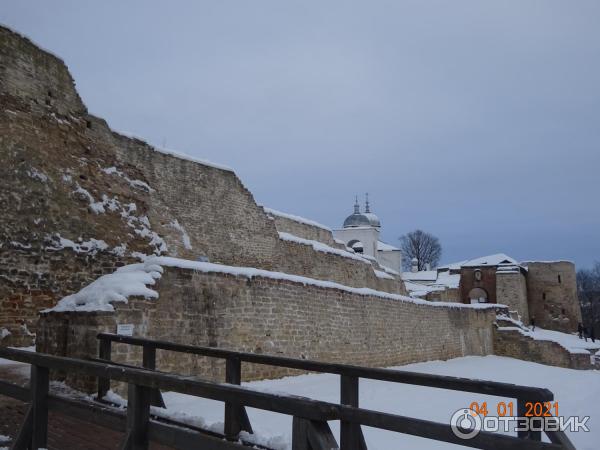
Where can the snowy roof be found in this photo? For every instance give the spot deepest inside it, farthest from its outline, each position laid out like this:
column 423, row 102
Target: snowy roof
column 423, row 275
column 453, row 266
column 491, row 260
column 299, row 219
column 382, row 246
column 445, row 279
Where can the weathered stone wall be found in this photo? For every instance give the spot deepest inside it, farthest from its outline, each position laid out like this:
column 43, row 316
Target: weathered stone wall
column 305, row 230
column 513, row 344
column 511, row 290
column 33, row 282
column 279, row 317
column 37, row 76
column 552, row 295
column 68, row 181
column 297, row 258
column 444, row 295
column 214, row 207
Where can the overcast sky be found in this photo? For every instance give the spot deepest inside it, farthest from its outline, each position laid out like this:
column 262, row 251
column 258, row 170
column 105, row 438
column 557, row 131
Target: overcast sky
column 477, row 121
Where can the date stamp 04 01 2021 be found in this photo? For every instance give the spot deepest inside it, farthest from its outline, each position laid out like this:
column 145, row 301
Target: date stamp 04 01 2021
column 466, row 423
column 503, row 409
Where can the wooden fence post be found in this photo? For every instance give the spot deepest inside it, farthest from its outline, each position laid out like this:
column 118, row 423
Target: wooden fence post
column 104, row 352
column 351, row 436
column 138, row 416
column 149, row 362
column 236, row 418
column 312, row 435
column 39, row 405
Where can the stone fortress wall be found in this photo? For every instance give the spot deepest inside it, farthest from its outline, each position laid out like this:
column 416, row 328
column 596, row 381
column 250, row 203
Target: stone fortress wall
column 304, row 229
column 265, row 314
column 79, row 195
column 511, row 290
column 552, row 294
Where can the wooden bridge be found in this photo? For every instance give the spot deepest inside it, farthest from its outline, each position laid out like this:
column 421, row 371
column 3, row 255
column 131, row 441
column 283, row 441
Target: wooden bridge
column 310, row 417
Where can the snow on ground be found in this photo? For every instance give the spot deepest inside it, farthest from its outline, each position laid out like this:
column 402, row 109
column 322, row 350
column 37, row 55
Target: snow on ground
column 577, row 392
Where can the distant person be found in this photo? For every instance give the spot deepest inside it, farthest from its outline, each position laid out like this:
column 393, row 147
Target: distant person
column 592, row 334
column 533, row 324
column 586, row 333
column 580, row 330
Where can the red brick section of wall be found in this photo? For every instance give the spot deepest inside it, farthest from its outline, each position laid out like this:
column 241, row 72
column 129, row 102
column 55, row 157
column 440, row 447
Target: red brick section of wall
column 277, row 317
column 487, row 282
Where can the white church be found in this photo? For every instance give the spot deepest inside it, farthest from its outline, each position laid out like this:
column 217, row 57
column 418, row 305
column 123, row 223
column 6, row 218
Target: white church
column 360, row 232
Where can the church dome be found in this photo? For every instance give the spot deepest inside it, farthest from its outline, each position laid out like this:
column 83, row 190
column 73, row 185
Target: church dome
column 373, row 219
column 357, row 220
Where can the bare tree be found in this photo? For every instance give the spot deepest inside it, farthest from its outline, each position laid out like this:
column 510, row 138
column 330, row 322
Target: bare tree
column 423, row 246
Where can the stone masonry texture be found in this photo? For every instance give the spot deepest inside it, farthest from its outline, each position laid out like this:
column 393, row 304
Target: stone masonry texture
column 513, row 344
column 511, row 290
column 278, row 317
column 79, row 200
column 552, row 294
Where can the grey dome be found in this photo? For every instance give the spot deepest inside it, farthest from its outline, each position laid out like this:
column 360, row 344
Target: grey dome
column 357, row 220
column 373, row 219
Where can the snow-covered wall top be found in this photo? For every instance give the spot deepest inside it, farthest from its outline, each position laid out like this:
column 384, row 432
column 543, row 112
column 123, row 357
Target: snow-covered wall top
column 274, row 212
column 134, row 279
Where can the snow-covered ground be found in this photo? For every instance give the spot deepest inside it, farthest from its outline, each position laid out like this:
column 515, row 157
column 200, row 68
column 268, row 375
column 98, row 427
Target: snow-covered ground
column 577, row 392
column 569, row 341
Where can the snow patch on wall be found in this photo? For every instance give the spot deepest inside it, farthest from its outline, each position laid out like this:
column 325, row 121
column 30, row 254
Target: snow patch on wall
column 91, row 246
column 187, row 243
column 140, row 224
column 37, row 175
column 127, row 281
column 136, row 184
column 4, row 333
column 382, row 274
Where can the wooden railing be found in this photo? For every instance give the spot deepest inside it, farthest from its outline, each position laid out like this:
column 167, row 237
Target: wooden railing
column 351, row 436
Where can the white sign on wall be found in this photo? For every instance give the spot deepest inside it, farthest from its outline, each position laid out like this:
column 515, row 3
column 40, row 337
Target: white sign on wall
column 125, row 329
